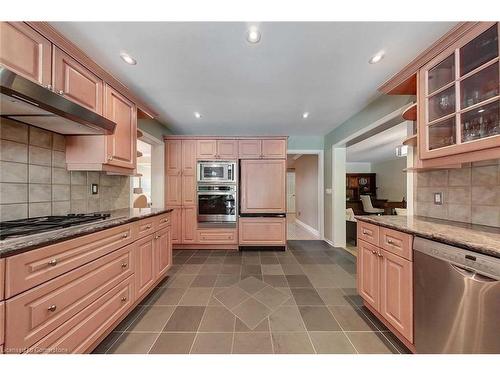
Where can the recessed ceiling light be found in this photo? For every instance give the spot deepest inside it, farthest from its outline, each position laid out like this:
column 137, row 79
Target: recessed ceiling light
column 197, row 114
column 128, row 59
column 377, row 57
column 253, row 35
column 481, row 110
column 305, row 115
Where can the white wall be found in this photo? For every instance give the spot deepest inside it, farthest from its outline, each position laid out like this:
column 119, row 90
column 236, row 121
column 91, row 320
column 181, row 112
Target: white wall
column 358, row 167
column 391, row 180
column 306, row 190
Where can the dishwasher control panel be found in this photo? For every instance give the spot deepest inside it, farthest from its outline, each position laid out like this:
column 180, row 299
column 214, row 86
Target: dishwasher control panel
column 482, row 264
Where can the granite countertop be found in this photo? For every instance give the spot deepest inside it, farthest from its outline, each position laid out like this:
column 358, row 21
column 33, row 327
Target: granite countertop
column 478, row 238
column 16, row 245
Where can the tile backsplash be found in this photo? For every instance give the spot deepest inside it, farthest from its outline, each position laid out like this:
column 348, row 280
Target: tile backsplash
column 471, row 194
column 34, row 180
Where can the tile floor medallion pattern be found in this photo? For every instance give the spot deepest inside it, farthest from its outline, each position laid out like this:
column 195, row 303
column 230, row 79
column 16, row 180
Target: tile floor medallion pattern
column 300, row 301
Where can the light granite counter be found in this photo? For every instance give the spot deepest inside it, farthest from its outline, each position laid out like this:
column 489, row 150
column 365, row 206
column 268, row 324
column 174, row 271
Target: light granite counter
column 478, row 238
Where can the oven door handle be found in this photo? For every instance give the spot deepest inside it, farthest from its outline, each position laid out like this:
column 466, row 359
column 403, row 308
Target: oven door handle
column 214, row 193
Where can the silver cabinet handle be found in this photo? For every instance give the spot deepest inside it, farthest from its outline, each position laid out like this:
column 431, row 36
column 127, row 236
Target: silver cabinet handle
column 374, row 252
column 124, row 235
column 52, row 308
column 156, row 237
column 380, row 255
column 166, row 220
column 52, row 262
column 390, row 242
column 124, row 299
column 124, row 265
column 365, row 232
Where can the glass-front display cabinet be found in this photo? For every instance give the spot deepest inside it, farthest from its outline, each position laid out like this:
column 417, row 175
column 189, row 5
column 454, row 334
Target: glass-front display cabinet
column 459, row 96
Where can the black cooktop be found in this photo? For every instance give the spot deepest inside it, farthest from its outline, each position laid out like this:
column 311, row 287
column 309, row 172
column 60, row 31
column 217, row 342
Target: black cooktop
column 34, row 225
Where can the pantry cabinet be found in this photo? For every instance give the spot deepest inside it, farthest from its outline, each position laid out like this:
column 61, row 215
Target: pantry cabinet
column 385, row 276
column 76, row 83
column 26, row 52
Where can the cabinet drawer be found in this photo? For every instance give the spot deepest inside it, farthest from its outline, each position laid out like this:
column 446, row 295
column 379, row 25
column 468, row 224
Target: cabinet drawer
column 37, row 312
column 145, row 227
column 368, row 232
column 2, row 322
column 262, row 231
column 2, row 278
column 79, row 334
column 217, row 236
column 396, row 242
column 24, row 271
column 164, row 221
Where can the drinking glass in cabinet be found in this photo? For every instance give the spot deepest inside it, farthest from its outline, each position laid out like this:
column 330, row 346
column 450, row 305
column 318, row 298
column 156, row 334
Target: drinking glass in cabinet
column 480, row 86
column 481, row 122
column 442, row 134
column 479, row 50
column 442, row 103
column 441, row 74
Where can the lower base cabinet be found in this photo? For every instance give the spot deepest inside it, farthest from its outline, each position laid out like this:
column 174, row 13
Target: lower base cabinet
column 262, row 231
column 72, row 312
column 385, row 282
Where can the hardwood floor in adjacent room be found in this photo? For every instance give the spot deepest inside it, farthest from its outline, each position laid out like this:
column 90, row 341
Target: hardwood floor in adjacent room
column 302, row 300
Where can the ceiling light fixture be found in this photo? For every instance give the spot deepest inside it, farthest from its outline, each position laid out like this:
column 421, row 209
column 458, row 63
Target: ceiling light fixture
column 253, row 35
column 197, row 114
column 305, row 115
column 377, row 57
column 481, row 110
column 128, row 59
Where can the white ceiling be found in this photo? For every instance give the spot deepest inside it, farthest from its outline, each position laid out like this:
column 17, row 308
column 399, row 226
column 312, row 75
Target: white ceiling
column 380, row 147
column 245, row 89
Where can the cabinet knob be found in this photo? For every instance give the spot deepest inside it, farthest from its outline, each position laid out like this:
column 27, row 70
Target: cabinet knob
column 165, row 220
column 124, row 265
column 148, row 226
column 374, row 252
column 52, row 262
column 61, row 92
column 110, row 158
column 124, row 299
column 49, row 87
column 365, row 232
column 390, row 242
column 380, row 255
column 52, row 308
column 156, row 237
column 124, row 235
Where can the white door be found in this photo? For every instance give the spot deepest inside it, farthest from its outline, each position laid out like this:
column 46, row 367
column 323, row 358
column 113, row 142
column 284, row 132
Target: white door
column 290, row 189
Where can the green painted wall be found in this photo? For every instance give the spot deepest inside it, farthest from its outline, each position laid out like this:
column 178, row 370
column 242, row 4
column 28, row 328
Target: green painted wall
column 153, row 127
column 374, row 111
column 305, row 142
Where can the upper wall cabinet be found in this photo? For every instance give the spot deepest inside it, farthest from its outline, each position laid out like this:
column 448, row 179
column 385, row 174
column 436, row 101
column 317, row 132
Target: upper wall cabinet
column 459, row 97
column 25, row 52
column 76, row 83
column 217, row 149
column 262, row 148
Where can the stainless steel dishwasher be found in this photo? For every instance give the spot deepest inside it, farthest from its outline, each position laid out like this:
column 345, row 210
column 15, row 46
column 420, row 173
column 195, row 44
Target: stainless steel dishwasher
column 456, row 300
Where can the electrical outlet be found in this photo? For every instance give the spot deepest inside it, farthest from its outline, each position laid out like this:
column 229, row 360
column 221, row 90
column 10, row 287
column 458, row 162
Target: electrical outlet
column 438, row 198
column 94, row 189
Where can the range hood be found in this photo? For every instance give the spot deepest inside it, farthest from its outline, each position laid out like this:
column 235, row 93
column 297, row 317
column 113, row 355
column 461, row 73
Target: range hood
column 25, row 101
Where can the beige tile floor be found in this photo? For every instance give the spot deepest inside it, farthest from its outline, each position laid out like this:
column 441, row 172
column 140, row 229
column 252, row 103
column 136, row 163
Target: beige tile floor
column 297, row 232
column 302, row 300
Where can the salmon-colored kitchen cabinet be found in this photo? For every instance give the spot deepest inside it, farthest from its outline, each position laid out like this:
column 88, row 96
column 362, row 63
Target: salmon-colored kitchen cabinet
column 368, row 232
column 368, row 273
column 250, row 148
column 396, row 292
column 217, row 149
column 274, row 148
column 218, row 236
column 188, row 172
column 163, row 251
column 176, row 219
column 2, row 323
column 34, row 314
column 264, row 231
column 25, row 52
column 189, row 224
column 2, row 278
column 263, row 174
column 76, row 83
column 145, row 265
column 121, row 145
column 173, row 170
column 396, row 242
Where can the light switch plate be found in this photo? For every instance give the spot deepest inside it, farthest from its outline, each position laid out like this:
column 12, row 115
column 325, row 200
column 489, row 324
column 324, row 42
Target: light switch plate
column 94, row 189
column 438, row 198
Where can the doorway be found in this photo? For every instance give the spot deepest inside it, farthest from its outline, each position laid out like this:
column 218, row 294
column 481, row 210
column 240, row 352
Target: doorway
column 304, row 195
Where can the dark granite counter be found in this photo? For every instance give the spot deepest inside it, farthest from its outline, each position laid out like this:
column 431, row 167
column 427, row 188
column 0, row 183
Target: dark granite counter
column 12, row 246
column 478, row 238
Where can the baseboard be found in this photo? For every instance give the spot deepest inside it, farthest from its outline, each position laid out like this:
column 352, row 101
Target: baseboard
column 307, row 227
column 329, row 242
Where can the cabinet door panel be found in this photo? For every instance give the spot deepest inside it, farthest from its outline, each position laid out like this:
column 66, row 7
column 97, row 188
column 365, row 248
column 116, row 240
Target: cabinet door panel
column 207, row 149
column 2, row 278
column 262, row 231
column 189, row 158
column 163, row 247
column 227, row 149
column 250, row 148
column 176, row 225
column 76, row 82
column 145, row 265
column 189, row 224
column 368, row 281
column 274, row 148
column 263, row 186
column 25, row 52
column 396, row 293
column 188, row 189
column 2, row 321
column 121, row 146
column 173, row 169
